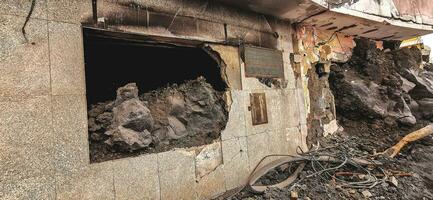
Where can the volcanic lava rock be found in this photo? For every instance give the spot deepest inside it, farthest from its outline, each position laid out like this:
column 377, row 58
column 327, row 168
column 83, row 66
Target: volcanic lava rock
column 192, row 110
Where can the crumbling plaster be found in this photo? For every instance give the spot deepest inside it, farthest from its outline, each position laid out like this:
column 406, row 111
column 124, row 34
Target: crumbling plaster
column 316, row 46
column 43, row 122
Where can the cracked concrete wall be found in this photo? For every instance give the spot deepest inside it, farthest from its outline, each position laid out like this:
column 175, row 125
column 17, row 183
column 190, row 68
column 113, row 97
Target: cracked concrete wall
column 44, row 150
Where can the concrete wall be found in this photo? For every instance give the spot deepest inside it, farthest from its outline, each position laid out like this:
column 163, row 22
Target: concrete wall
column 43, row 117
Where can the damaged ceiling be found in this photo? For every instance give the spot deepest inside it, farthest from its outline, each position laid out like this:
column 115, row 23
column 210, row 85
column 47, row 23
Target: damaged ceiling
column 358, row 18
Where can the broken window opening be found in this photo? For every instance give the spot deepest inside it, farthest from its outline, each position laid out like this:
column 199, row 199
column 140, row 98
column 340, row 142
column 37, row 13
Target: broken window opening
column 112, row 63
column 144, row 97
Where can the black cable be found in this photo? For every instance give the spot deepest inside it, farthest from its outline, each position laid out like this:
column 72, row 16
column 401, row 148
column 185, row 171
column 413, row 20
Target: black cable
column 23, row 29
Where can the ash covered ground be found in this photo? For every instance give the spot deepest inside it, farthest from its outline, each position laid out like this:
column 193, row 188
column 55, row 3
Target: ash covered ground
column 380, row 96
column 176, row 116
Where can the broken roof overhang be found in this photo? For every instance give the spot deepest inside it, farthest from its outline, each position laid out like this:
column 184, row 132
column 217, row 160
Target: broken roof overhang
column 346, row 17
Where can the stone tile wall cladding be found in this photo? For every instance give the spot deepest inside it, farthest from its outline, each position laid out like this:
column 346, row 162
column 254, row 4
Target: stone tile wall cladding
column 43, row 118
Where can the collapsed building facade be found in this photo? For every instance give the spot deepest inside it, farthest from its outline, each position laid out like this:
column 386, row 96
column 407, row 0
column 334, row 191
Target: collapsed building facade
column 183, row 98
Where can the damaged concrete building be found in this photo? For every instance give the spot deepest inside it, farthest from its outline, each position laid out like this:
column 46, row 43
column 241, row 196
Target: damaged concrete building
column 173, row 99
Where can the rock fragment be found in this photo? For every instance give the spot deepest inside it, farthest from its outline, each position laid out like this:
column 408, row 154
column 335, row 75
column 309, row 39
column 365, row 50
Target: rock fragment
column 132, row 122
column 393, row 180
column 366, row 194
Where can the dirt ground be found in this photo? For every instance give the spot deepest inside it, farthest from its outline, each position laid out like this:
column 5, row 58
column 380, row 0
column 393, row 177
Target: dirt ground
column 361, row 138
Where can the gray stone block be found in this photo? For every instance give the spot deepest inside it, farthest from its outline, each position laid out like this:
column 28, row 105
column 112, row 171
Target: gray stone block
column 22, row 8
column 258, row 148
column 70, row 130
column 177, row 174
column 137, row 178
column 236, row 122
column 26, row 139
column 67, row 58
column 73, row 11
column 41, row 187
column 24, row 66
column 94, row 182
column 235, row 159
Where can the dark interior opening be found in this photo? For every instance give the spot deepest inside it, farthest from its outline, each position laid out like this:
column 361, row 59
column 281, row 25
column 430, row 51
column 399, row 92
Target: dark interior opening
column 112, row 62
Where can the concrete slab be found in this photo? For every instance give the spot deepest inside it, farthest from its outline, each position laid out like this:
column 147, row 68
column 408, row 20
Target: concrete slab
column 236, row 122
column 67, row 58
column 73, row 11
column 290, row 109
column 137, row 178
column 22, row 8
column 177, row 175
column 302, row 106
column 258, row 148
column 42, row 187
column 230, row 57
column 235, row 159
column 94, row 182
column 211, row 185
column 276, row 106
column 253, row 84
column 304, row 134
column 297, row 138
column 278, row 142
column 289, row 74
column 26, row 138
column 24, row 66
column 208, row 159
column 70, row 130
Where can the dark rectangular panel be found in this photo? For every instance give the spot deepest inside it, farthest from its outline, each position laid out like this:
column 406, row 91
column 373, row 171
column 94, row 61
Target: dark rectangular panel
column 259, row 112
column 263, row 63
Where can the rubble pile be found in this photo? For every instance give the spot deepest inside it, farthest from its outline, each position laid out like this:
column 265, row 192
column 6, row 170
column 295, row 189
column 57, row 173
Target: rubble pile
column 408, row 177
column 380, row 96
column 184, row 115
column 388, row 85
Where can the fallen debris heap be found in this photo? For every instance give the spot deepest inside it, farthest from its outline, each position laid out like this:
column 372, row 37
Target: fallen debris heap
column 188, row 114
column 381, row 97
column 390, row 85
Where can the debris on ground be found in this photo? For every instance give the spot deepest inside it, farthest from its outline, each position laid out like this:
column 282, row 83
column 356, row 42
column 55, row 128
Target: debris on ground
column 185, row 115
column 380, row 97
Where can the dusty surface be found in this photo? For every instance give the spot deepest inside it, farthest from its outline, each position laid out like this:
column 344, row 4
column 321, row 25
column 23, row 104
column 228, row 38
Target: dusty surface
column 361, row 138
column 380, row 96
column 185, row 115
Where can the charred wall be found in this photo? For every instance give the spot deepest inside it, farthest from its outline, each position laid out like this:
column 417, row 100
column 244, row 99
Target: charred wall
column 205, row 20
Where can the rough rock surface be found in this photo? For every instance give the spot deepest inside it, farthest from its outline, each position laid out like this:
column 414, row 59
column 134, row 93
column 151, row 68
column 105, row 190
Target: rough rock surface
column 184, row 115
column 378, row 84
